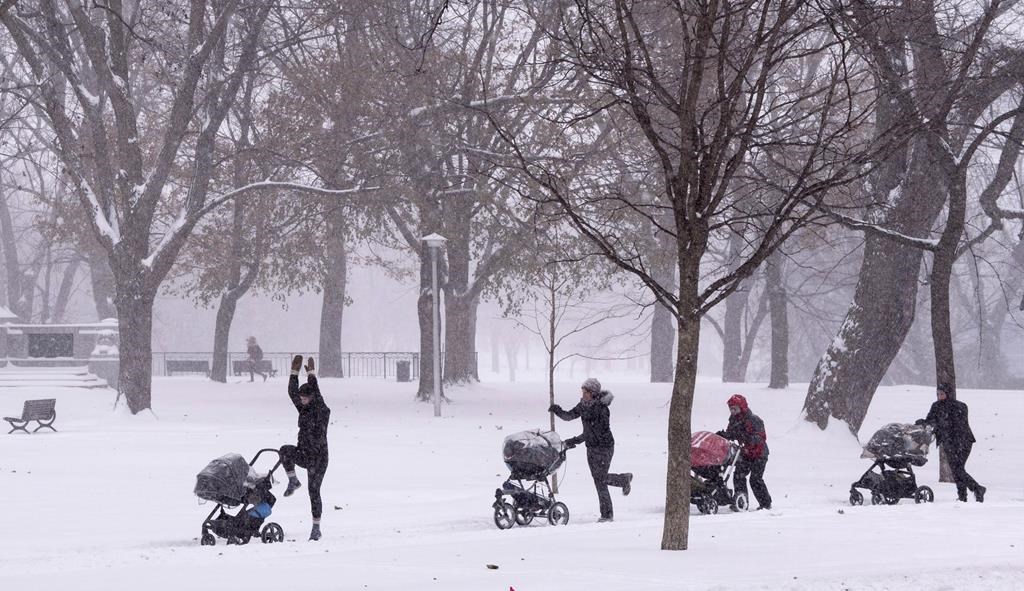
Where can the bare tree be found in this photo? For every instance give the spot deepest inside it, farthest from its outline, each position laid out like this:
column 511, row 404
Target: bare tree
column 710, row 106
column 99, row 95
column 937, row 76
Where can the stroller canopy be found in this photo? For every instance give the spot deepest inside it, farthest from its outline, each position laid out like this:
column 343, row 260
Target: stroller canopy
column 708, row 449
column 533, row 455
column 897, row 440
column 226, row 480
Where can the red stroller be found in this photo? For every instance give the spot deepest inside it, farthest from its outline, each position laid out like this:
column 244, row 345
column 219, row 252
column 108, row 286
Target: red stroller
column 712, row 462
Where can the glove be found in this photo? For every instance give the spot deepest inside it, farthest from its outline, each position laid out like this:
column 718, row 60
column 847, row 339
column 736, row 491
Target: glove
column 721, row 434
column 310, row 366
column 919, row 422
column 569, row 444
column 554, row 408
column 296, row 363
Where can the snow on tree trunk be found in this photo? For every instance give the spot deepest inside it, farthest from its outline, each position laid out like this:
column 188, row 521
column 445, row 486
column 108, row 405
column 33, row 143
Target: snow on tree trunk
column 135, row 324
column 332, row 310
column 846, row 377
column 777, row 305
column 675, row 534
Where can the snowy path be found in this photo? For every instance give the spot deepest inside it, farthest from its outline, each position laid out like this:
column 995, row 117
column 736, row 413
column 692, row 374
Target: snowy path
column 107, row 504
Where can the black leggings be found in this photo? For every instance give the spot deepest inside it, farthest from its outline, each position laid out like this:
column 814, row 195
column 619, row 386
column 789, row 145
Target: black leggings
column 957, row 458
column 756, row 470
column 315, row 464
column 600, row 460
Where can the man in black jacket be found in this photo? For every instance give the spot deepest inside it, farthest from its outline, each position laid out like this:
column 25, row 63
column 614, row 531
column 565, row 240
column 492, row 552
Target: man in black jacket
column 948, row 416
column 311, row 451
column 597, row 434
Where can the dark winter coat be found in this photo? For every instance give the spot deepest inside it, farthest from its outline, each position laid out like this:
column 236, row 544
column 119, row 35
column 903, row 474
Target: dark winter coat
column 595, row 417
column 254, row 352
column 747, row 429
column 949, row 419
column 313, row 417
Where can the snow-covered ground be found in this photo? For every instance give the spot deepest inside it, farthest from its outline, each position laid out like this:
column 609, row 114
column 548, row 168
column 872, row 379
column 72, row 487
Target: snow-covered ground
column 107, row 502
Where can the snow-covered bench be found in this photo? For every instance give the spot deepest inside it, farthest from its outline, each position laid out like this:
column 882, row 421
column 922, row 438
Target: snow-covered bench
column 41, row 411
column 186, row 366
column 241, row 366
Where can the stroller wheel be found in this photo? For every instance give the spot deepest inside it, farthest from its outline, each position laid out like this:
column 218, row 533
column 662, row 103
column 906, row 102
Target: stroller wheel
column 924, row 494
column 739, row 502
column 207, row 539
column 708, row 506
column 504, row 515
column 876, row 498
column 892, row 500
column 523, row 515
column 856, row 498
column 271, row 533
column 558, row 514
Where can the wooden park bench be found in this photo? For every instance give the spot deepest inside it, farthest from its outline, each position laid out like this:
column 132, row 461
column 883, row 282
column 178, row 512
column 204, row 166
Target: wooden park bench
column 41, row 411
column 186, row 366
column 241, row 366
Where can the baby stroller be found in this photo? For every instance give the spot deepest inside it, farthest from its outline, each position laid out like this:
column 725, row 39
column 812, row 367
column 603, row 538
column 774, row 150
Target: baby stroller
column 895, row 448
column 230, row 481
column 712, row 462
column 531, row 456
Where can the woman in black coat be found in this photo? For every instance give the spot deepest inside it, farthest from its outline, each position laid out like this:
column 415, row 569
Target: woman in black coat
column 948, row 416
column 593, row 411
column 311, row 449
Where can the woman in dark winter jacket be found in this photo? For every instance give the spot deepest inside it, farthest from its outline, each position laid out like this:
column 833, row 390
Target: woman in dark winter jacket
column 948, row 416
column 593, row 412
column 311, row 451
column 747, row 429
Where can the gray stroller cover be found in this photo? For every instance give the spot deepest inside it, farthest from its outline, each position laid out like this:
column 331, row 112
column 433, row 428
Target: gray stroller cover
column 898, row 440
column 533, row 455
column 226, row 480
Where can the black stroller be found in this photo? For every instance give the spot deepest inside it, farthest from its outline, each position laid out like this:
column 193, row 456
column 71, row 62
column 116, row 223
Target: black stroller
column 531, row 456
column 895, row 448
column 712, row 462
column 230, row 481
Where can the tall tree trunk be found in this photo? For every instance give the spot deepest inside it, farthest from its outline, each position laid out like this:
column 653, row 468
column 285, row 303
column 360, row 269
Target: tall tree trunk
column 229, row 299
column 777, row 304
column 67, row 281
column 12, row 266
column 732, row 338
column 512, row 358
column 221, row 333
column 460, row 304
column 676, row 531
column 847, row 375
column 732, row 324
column 332, row 311
column 135, row 324
column 460, row 339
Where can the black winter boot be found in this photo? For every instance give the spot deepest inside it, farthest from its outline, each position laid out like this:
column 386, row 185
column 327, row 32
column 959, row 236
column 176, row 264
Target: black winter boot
column 293, row 483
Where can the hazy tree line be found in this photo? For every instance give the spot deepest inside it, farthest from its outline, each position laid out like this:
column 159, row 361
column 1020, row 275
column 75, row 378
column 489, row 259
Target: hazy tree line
column 788, row 175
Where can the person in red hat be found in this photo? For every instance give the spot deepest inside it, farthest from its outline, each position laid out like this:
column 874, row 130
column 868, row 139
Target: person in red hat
column 747, row 429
